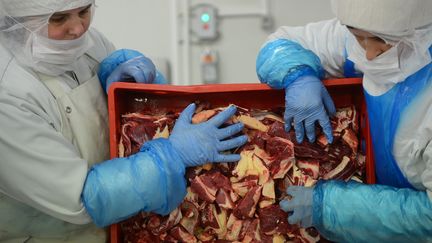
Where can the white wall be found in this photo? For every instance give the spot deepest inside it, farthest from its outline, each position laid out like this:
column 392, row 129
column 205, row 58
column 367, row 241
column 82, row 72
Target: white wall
column 148, row 26
column 143, row 25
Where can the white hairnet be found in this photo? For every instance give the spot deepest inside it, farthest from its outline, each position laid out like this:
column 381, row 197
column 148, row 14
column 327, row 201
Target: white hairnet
column 405, row 24
column 384, row 16
column 22, row 8
column 24, row 21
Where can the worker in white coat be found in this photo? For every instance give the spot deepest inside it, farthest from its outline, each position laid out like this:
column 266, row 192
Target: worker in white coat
column 56, row 182
column 388, row 42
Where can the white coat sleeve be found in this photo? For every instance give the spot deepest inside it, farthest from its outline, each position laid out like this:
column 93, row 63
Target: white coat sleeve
column 39, row 167
column 326, row 39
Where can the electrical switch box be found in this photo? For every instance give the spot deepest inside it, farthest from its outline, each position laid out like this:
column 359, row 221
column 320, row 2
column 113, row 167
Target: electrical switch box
column 204, row 22
column 209, row 66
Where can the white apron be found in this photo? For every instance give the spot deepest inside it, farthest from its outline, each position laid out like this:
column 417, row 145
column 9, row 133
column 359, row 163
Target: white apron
column 85, row 123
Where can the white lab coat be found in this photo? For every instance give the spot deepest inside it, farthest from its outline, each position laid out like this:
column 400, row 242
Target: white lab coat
column 412, row 149
column 42, row 169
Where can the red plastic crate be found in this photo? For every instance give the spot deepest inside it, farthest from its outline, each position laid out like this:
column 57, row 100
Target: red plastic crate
column 130, row 97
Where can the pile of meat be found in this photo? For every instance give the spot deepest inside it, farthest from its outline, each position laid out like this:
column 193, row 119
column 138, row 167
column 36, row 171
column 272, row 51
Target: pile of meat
column 238, row 202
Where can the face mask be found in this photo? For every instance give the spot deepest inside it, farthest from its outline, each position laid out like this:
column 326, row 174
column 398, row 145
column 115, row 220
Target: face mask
column 59, row 51
column 54, row 57
column 383, row 68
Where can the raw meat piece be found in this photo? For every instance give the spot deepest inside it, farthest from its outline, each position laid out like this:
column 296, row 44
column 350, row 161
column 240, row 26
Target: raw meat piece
column 247, row 205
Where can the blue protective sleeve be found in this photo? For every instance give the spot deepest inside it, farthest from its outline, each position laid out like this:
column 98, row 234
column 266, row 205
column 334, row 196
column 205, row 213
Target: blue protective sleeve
column 118, row 57
column 355, row 212
column 281, row 62
column 151, row 180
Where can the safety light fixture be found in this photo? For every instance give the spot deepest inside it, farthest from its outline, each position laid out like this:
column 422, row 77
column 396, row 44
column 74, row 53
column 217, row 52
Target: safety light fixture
column 205, row 17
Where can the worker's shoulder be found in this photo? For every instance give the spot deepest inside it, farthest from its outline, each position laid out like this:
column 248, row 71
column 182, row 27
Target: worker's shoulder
column 19, row 84
column 17, row 79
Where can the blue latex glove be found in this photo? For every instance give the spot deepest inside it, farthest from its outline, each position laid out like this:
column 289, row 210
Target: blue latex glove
column 140, row 69
column 124, row 65
column 198, row 144
column 300, row 205
column 306, row 102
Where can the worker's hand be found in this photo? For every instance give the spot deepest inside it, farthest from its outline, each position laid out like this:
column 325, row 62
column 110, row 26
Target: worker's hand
column 306, row 102
column 128, row 65
column 198, row 144
column 300, row 205
column 140, row 69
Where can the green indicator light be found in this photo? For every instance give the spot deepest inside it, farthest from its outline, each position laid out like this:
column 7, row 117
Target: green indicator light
column 205, row 17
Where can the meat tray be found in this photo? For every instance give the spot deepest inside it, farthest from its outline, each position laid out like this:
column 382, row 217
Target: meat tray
column 131, row 97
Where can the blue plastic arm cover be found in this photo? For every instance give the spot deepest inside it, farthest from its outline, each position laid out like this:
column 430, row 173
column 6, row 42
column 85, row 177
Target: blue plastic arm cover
column 355, row 212
column 151, row 180
column 281, row 62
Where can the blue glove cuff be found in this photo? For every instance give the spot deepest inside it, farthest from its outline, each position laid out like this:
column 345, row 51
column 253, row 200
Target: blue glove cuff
column 282, row 61
column 297, row 72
